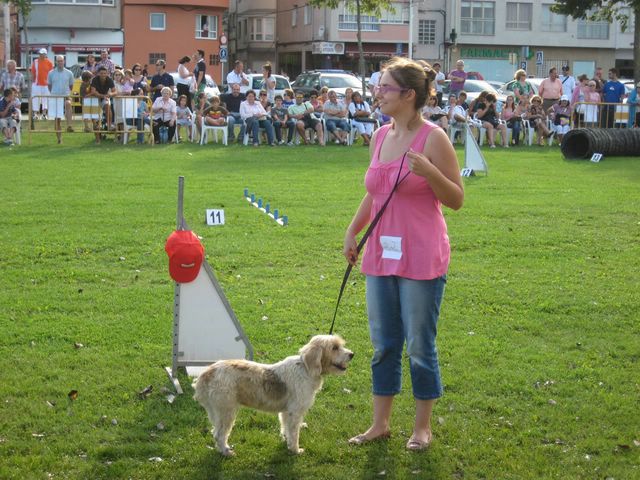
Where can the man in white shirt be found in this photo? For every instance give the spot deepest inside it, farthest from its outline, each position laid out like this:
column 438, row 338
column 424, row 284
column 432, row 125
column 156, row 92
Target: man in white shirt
column 568, row 82
column 374, row 80
column 238, row 76
column 440, row 81
column 60, row 83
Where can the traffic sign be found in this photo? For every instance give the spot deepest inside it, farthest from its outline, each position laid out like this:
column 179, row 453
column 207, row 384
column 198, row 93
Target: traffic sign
column 224, row 54
column 539, row 57
column 523, row 65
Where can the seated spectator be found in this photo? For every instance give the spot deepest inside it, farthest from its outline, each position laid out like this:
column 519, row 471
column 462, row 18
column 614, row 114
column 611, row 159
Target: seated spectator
column 432, row 112
column 266, row 104
column 232, row 102
column 201, row 107
column 103, row 88
column 302, row 114
column 486, row 113
column 164, row 116
column 315, row 103
column 216, row 114
column 561, row 114
column 512, row 116
column 255, row 117
column 279, row 118
column 335, row 117
column 324, row 95
column 184, row 116
column 361, row 115
column 8, row 123
column 538, row 119
column 462, row 100
column 456, row 115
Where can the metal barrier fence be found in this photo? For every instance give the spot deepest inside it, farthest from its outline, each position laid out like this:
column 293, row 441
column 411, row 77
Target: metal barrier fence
column 122, row 116
column 603, row 115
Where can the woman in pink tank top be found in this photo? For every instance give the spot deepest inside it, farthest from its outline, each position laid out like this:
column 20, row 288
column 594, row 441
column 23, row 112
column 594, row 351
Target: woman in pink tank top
column 407, row 255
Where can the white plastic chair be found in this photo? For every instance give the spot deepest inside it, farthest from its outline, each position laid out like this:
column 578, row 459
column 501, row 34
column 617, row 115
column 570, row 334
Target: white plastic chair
column 215, row 129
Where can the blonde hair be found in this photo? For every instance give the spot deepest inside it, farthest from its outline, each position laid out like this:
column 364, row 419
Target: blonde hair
column 519, row 73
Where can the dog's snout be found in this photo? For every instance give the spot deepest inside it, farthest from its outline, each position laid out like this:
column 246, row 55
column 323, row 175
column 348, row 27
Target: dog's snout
column 351, row 354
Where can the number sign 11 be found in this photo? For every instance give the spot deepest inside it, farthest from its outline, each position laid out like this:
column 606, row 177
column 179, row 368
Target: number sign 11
column 215, row 217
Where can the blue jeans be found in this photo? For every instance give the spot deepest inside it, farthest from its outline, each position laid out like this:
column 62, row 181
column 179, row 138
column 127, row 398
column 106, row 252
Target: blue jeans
column 332, row 124
column 401, row 309
column 254, row 125
column 232, row 119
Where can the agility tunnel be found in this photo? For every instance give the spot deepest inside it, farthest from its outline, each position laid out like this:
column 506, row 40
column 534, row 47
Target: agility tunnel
column 615, row 142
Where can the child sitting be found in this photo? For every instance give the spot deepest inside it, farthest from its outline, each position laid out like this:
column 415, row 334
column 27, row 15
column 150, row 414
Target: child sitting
column 7, row 116
column 184, row 115
column 216, row 114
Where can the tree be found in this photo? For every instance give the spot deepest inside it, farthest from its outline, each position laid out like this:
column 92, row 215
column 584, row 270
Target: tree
column 373, row 7
column 609, row 10
column 24, row 9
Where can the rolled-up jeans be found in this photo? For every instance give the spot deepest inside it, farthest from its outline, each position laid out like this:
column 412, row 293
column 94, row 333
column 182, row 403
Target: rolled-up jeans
column 404, row 310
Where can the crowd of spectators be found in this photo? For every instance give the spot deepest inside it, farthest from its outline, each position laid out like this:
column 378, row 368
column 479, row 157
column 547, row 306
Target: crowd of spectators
column 561, row 101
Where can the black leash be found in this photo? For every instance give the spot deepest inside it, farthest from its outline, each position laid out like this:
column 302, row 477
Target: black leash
column 365, row 237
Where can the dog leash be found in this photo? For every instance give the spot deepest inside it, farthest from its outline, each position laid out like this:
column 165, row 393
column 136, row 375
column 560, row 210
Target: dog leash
column 365, row 237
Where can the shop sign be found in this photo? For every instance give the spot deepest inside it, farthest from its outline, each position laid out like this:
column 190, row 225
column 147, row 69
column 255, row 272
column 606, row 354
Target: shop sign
column 476, row 52
column 327, row 48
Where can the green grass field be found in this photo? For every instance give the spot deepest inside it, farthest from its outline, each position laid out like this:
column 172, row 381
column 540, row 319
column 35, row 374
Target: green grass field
column 538, row 335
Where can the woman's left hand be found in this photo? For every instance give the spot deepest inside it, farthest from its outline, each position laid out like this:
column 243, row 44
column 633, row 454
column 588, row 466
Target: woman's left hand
column 419, row 164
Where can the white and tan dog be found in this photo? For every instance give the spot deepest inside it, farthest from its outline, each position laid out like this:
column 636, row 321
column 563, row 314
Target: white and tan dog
column 288, row 387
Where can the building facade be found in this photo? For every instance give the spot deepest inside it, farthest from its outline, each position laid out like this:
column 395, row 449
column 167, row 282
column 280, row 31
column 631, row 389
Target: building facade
column 252, row 33
column 170, row 30
column 497, row 37
column 73, row 28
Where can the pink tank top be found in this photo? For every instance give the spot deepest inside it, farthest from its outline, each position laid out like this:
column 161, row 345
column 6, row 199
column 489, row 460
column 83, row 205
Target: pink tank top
column 411, row 238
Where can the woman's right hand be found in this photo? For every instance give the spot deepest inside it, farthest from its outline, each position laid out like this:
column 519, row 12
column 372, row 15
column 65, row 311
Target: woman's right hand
column 350, row 248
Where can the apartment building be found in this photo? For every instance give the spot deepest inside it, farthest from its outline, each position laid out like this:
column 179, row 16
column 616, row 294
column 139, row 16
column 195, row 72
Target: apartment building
column 496, row 37
column 252, row 32
column 309, row 38
column 73, row 28
column 169, row 30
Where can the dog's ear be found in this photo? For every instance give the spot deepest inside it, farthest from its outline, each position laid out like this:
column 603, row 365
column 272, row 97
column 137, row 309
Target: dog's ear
column 311, row 355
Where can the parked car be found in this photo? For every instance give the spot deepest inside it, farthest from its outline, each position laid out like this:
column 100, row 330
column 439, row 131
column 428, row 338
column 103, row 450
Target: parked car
column 473, row 89
column 337, row 80
column 255, row 82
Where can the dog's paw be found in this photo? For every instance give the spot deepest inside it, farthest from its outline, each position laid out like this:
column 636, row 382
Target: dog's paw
column 304, row 425
column 296, row 451
column 227, row 452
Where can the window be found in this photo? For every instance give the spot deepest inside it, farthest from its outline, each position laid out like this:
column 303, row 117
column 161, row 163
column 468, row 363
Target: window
column 477, row 18
column 348, row 20
column 399, row 15
column 157, row 21
column 207, row 26
column 261, row 29
column 598, row 30
column 307, row 15
column 552, row 22
column 427, row 32
column 153, row 57
column 519, row 16
column 294, row 16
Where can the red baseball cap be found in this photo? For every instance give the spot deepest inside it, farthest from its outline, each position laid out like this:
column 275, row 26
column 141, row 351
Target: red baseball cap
column 185, row 255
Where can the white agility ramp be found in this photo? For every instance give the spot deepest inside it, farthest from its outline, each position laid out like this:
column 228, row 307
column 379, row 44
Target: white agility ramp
column 473, row 159
column 205, row 328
